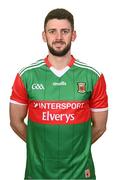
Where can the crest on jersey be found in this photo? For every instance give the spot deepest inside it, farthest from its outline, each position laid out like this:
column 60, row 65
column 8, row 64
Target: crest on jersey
column 87, row 173
column 81, row 87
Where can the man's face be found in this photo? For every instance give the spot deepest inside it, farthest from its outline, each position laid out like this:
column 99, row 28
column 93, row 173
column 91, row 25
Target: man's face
column 58, row 34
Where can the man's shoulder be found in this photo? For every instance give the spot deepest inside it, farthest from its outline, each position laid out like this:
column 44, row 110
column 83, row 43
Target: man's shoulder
column 29, row 69
column 87, row 68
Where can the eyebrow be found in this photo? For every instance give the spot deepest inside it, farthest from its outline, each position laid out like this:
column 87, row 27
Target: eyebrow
column 52, row 29
column 63, row 29
column 67, row 29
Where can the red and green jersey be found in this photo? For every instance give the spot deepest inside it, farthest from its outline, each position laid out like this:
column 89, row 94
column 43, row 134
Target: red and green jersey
column 59, row 117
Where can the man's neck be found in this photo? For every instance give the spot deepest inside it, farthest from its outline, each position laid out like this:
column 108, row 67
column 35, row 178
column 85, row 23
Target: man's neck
column 59, row 62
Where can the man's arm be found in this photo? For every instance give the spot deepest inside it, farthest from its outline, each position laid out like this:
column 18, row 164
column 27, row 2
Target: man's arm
column 17, row 116
column 99, row 124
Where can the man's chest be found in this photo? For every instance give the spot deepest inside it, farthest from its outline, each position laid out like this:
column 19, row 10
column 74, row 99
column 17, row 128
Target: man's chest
column 48, row 86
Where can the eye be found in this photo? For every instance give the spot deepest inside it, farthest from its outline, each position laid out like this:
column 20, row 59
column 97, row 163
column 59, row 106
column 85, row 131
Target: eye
column 51, row 31
column 65, row 31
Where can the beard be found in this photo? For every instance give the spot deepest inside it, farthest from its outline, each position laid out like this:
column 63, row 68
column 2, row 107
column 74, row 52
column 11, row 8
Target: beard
column 61, row 52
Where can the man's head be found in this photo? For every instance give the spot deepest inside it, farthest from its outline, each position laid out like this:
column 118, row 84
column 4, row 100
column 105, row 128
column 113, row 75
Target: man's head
column 59, row 14
column 59, row 31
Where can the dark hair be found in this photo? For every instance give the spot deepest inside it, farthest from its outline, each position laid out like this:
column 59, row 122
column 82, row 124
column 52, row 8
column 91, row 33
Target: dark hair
column 59, row 14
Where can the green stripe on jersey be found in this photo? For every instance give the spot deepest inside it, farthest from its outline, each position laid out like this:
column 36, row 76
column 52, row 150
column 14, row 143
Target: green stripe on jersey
column 32, row 66
column 83, row 65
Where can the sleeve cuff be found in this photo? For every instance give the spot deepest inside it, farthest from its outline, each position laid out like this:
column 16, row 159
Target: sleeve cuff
column 15, row 102
column 99, row 109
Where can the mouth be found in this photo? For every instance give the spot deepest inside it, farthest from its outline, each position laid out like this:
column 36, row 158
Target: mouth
column 58, row 44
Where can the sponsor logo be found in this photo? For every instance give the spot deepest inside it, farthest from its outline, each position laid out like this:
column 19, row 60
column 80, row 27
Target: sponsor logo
column 62, row 83
column 37, row 86
column 47, row 116
column 81, row 87
column 59, row 112
column 56, row 106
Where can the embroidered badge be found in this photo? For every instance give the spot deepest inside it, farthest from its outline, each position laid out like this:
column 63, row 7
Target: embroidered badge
column 87, row 173
column 81, row 87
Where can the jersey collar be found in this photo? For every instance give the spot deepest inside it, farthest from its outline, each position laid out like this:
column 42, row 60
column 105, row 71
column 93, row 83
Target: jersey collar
column 60, row 73
column 71, row 62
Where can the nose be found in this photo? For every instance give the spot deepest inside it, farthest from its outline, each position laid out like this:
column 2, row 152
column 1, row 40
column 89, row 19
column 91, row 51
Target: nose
column 58, row 35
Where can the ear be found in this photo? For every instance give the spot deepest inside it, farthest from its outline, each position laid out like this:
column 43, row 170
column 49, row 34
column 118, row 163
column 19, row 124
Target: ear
column 44, row 36
column 73, row 36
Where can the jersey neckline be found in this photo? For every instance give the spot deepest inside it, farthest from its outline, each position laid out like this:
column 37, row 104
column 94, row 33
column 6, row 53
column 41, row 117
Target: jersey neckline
column 71, row 62
column 59, row 73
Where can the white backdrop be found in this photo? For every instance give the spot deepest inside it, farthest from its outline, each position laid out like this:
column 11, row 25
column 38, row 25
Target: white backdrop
column 98, row 43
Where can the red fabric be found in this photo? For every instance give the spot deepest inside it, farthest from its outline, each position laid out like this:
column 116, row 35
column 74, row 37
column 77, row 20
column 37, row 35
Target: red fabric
column 99, row 97
column 59, row 115
column 71, row 62
column 19, row 93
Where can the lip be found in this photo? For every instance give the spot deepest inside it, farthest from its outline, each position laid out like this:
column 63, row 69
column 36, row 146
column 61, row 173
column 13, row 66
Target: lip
column 58, row 45
column 59, row 42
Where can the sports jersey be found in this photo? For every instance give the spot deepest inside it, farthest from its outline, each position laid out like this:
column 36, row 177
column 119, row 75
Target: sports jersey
column 59, row 132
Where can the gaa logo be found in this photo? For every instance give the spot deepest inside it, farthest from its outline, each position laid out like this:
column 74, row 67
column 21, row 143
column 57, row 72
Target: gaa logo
column 37, row 86
column 81, row 87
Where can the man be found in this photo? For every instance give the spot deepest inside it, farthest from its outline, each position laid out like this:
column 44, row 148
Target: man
column 66, row 104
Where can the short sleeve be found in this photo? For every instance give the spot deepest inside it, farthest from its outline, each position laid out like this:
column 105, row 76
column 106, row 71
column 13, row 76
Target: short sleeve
column 99, row 98
column 19, row 94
